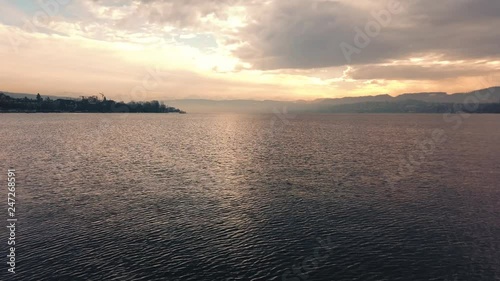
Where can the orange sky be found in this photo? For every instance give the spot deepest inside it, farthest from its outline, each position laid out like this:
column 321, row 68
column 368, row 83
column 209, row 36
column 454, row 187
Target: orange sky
column 231, row 49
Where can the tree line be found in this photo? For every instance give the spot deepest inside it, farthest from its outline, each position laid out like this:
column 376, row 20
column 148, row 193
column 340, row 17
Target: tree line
column 93, row 104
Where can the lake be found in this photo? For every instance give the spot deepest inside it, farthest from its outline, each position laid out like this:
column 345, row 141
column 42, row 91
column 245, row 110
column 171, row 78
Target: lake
column 253, row 197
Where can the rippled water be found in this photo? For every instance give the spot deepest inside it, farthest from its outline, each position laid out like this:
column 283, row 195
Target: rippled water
column 242, row 197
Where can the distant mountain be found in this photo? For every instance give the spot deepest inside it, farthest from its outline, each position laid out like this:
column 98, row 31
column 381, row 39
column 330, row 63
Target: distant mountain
column 412, row 106
column 239, row 106
column 486, row 96
column 489, row 95
column 354, row 99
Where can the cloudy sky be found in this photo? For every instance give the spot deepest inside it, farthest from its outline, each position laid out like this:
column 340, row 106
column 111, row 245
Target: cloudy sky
column 248, row 49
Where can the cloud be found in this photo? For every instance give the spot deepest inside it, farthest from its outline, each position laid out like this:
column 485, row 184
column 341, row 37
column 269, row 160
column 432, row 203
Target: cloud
column 307, row 34
column 250, row 48
column 192, row 15
column 296, row 34
column 58, row 65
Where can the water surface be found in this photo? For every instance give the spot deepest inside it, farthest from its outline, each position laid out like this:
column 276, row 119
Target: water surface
column 248, row 197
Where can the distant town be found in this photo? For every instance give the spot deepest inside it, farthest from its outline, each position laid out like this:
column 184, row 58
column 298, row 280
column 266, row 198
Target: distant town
column 90, row 104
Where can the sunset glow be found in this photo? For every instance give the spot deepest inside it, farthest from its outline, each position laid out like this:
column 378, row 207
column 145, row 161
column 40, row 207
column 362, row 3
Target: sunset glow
column 233, row 49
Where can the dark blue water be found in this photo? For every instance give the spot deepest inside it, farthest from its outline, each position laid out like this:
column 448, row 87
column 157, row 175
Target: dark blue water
column 242, row 197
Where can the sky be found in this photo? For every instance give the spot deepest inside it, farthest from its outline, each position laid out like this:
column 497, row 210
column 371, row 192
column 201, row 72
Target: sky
column 248, row 49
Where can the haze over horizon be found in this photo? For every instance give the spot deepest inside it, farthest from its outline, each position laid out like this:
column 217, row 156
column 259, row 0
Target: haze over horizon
column 234, row 49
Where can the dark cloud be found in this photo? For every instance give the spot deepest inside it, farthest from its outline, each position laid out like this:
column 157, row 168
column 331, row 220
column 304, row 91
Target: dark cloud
column 297, row 34
column 307, row 34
